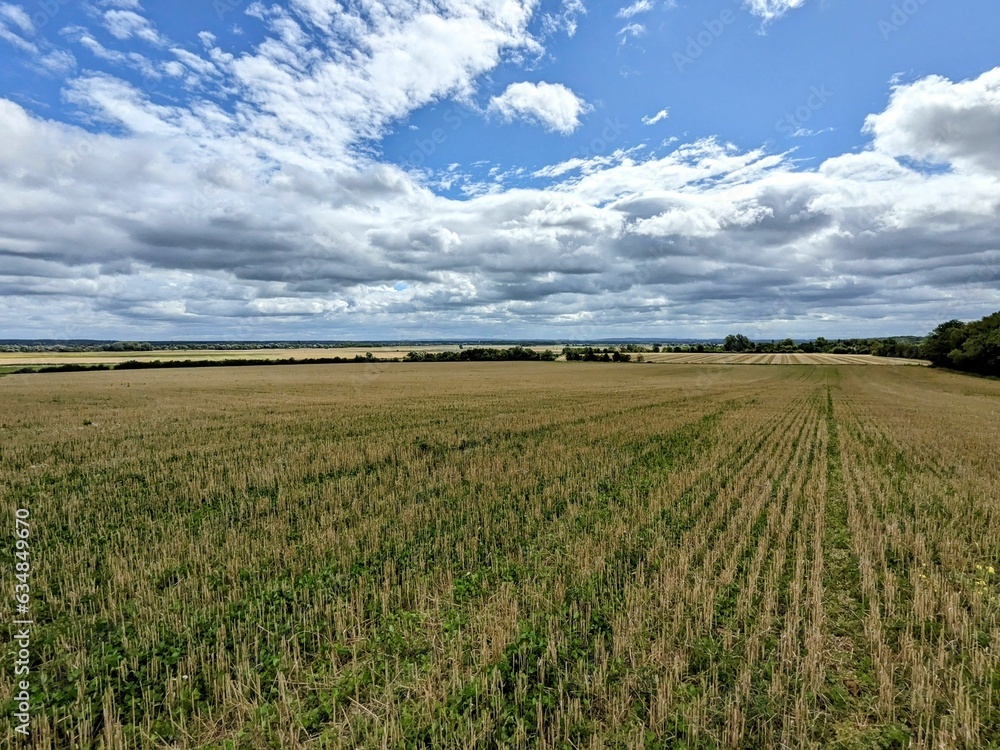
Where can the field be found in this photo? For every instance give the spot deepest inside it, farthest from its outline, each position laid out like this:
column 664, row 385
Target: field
column 347, row 352
column 717, row 358
column 13, row 360
column 506, row 555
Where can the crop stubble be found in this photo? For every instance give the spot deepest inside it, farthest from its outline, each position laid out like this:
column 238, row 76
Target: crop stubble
column 515, row 555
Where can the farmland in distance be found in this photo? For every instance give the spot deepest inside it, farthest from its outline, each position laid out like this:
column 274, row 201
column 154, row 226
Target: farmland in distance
column 11, row 361
column 549, row 555
column 727, row 358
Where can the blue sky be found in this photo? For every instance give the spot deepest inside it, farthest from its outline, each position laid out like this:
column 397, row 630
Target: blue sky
column 476, row 168
column 751, row 85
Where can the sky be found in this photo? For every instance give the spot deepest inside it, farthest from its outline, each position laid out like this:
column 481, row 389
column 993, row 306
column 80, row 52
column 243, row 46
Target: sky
column 531, row 169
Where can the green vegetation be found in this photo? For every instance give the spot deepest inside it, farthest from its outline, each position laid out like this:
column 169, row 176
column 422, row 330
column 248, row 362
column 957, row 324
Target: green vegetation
column 173, row 364
column 593, row 354
column 971, row 347
column 484, row 354
column 51, row 345
column 499, row 555
column 905, row 347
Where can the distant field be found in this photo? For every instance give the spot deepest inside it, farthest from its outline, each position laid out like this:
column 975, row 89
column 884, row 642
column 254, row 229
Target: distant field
column 508, row 555
column 59, row 358
column 776, row 359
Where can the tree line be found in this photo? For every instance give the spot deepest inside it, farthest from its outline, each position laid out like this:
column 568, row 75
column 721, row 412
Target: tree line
column 970, row 347
column 484, row 354
column 594, row 354
column 176, row 364
column 906, row 347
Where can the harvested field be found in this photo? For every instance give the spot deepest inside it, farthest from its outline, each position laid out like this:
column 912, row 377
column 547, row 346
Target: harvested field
column 16, row 359
column 715, row 358
column 347, row 352
column 511, row 555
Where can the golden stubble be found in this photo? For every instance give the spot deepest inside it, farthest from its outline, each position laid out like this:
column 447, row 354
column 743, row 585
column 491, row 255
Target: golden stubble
column 523, row 555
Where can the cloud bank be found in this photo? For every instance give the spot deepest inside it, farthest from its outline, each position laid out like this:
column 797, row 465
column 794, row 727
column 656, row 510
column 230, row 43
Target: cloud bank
column 267, row 213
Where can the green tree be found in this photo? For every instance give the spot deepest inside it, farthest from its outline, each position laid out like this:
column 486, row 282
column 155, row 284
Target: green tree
column 973, row 347
column 945, row 339
column 737, row 343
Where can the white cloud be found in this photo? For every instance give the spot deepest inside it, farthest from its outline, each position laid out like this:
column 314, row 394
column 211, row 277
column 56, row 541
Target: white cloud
column 315, row 97
column 702, row 236
column 17, row 15
column 126, row 24
column 807, row 133
column 382, row 68
column 770, row 10
column 567, row 19
column 134, row 60
column 15, row 23
column 936, row 120
column 639, row 6
column 269, row 216
column 197, row 64
column 57, row 61
column 632, row 30
column 551, row 105
column 44, row 57
column 17, row 41
column 660, row 116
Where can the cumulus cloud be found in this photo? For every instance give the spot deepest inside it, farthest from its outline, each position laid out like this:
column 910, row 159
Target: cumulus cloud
column 254, row 208
column 551, row 105
column 326, row 81
column 936, row 120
